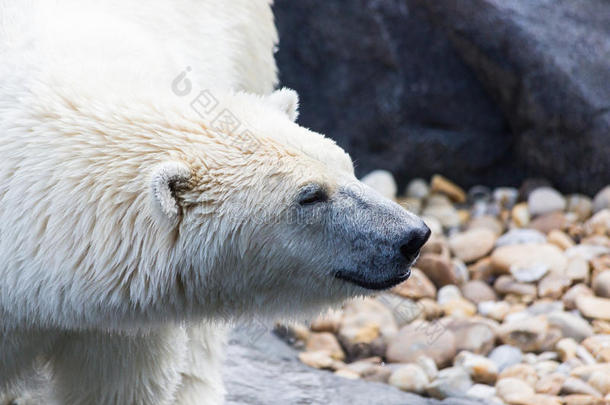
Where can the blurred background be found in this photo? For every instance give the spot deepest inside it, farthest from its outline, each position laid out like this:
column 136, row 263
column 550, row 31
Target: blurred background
column 485, row 91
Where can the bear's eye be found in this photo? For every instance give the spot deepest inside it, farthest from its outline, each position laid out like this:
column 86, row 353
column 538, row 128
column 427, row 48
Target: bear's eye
column 312, row 194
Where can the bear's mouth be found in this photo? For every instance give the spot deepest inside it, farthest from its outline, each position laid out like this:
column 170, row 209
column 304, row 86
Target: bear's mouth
column 371, row 283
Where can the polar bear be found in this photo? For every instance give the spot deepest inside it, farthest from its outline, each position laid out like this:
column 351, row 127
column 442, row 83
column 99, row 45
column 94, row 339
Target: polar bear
column 153, row 186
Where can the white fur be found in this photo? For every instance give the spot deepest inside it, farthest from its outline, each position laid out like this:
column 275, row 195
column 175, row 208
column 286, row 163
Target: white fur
column 96, row 145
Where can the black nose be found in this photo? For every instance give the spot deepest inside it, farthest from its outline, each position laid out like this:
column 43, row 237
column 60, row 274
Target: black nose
column 413, row 241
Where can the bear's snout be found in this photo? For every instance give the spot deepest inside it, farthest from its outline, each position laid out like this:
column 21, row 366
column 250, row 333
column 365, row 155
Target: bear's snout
column 412, row 242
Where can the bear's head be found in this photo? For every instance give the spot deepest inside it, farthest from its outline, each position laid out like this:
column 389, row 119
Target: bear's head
column 270, row 216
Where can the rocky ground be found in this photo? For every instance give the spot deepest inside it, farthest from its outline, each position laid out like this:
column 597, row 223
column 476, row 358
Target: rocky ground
column 509, row 301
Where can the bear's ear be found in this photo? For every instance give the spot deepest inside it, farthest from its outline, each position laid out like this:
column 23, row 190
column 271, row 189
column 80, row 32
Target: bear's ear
column 287, row 101
column 167, row 180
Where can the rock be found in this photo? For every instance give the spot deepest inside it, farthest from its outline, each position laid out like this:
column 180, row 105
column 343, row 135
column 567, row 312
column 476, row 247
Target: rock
column 428, row 365
column 560, row 239
column 450, row 382
column 601, row 284
column 325, row 342
column 436, row 228
column 506, row 197
column 480, row 368
column 514, row 390
column 482, row 391
column 523, row 372
column 528, row 256
column 417, row 188
column 549, row 222
column 417, row 286
column 422, row 338
column 520, row 237
column 365, row 326
column 494, row 309
column 459, row 308
column 599, row 224
column 430, row 309
column 550, row 384
column 473, row 336
column 478, row 291
column 319, row 359
column 602, row 199
column 520, row 215
column 439, row 269
column 345, row 373
column 482, row 270
column 411, row 378
column 594, row 307
column 585, row 372
column 567, row 348
column 577, row 269
column 487, row 222
column 599, row 346
column 552, row 286
column 445, row 214
column 569, row 298
column 529, row 274
column 576, row 386
column 472, row 244
column 587, row 252
column 411, row 204
column 571, row 326
column 255, row 371
column 443, row 185
column 330, row 321
column 383, row 182
column 581, row 205
column 448, row 293
column 507, row 285
column 505, row 356
column 545, row 200
column 600, row 381
column 529, row 334
column 579, row 399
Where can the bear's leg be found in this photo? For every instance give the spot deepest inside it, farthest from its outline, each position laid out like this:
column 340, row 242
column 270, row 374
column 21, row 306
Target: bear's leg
column 92, row 368
column 201, row 377
column 21, row 368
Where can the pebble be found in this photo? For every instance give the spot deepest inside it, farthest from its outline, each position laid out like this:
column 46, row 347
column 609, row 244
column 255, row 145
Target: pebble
column 550, row 384
column 319, row 359
column 417, row 286
column 529, row 256
column 594, row 307
column 445, row 214
column 587, row 252
column 577, row 386
column 520, row 237
column 571, row 326
column 599, row 347
column 443, row 185
column 450, row 382
column 600, row 381
column 329, row 321
column 585, row 372
column 601, row 284
column 566, row 348
column 482, row 270
column 459, row 308
column 448, row 293
column 480, row 368
column 521, row 215
column 472, row 335
column 560, row 239
column 428, row 365
column 422, row 338
column 438, row 268
column 529, row 274
column 528, row 334
column 602, row 199
column 580, row 205
column 577, row 269
column 505, row 356
column 478, row 291
column 494, row 309
column 327, row 342
column 482, row 391
column 487, row 222
column 506, row 197
column 508, row 285
column 383, row 182
column 523, row 372
column 599, row 224
column 472, row 244
column 548, row 222
column 579, row 399
column 417, row 188
column 411, row 378
column 514, row 390
column 544, row 200
column 346, row 373
column 553, row 286
column 569, row 298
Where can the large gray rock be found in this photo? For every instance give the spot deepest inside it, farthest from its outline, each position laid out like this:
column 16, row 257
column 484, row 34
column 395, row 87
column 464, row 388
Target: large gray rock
column 485, row 91
column 264, row 370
